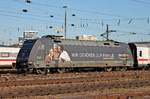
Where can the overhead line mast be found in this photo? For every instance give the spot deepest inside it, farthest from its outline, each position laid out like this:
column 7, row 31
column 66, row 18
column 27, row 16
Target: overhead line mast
column 106, row 34
column 65, row 24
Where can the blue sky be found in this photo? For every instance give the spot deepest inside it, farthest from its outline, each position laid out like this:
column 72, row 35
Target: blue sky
column 91, row 17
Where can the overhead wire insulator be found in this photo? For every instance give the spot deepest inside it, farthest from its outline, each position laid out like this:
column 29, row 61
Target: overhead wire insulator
column 73, row 15
column 118, row 22
column 51, row 16
column 148, row 20
column 130, row 21
column 24, row 10
column 50, row 27
column 28, row 1
column 72, row 25
column 102, row 23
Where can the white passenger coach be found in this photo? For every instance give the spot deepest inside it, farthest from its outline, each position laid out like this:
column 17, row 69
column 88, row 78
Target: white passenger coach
column 143, row 53
column 8, row 56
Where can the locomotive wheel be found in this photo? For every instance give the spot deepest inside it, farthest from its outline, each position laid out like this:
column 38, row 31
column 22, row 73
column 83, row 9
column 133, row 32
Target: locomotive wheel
column 46, row 71
column 13, row 65
column 61, row 70
column 123, row 69
column 41, row 71
column 108, row 69
column 117, row 69
column 21, row 71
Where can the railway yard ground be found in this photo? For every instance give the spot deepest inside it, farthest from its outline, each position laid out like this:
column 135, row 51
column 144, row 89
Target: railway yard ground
column 84, row 85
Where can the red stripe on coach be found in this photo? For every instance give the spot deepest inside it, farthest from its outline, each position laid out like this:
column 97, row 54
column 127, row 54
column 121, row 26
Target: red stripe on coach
column 142, row 59
column 7, row 59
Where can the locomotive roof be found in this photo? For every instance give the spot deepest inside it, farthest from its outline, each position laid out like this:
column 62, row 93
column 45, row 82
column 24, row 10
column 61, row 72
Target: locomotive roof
column 71, row 41
column 90, row 43
column 58, row 39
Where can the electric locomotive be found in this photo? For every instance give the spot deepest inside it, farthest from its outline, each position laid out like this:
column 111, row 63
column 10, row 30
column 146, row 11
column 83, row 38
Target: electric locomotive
column 52, row 52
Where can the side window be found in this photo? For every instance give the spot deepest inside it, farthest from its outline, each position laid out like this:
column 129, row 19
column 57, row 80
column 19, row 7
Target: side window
column 140, row 53
column 106, row 43
column 116, row 43
column 4, row 54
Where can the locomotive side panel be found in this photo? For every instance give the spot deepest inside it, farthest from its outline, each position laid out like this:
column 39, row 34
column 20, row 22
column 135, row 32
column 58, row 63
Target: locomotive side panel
column 51, row 53
column 84, row 54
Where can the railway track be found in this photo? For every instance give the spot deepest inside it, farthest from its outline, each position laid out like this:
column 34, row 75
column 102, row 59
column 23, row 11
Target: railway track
column 57, row 76
column 64, row 81
column 69, row 88
column 55, row 84
column 7, row 71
